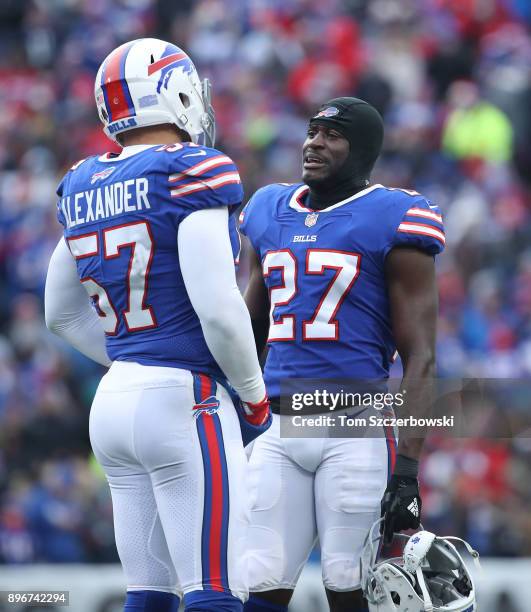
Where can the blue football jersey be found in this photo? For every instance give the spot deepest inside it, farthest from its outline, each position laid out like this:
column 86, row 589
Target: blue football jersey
column 121, row 215
column 330, row 315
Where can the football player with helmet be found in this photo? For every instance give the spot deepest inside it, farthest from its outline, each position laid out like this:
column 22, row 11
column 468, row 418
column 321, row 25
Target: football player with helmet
column 342, row 275
column 143, row 281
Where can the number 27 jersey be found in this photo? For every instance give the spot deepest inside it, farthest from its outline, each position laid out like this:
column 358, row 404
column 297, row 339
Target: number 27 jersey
column 325, row 273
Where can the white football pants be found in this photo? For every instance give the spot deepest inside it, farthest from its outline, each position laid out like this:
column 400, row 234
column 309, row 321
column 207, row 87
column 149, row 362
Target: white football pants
column 304, row 488
column 169, row 442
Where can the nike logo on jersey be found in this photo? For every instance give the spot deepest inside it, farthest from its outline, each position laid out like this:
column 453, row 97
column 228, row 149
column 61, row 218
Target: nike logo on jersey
column 195, row 154
column 307, row 238
column 433, row 206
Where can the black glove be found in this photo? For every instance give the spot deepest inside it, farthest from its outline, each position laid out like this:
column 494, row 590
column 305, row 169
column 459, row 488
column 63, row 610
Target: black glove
column 401, row 506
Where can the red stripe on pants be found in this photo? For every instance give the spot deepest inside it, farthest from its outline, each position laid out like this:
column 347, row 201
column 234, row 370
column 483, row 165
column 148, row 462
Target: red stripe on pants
column 391, row 445
column 217, row 502
column 206, row 386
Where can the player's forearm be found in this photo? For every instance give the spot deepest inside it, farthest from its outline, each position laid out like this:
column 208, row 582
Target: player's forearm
column 412, row 290
column 205, row 253
column 419, row 372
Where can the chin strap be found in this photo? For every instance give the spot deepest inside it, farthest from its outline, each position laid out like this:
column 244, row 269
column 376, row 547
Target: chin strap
column 473, row 553
column 368, row 560
column 428, row 606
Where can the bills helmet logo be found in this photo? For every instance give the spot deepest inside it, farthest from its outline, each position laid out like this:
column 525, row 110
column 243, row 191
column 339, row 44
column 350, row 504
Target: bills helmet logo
column 210, row 405
column 415, row 540
column 331, row 111
column 172, row 58
column 100, row 176
column 311, row 219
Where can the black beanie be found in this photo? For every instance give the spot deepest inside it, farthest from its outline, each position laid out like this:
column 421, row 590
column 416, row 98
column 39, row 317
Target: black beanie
column 361, row 124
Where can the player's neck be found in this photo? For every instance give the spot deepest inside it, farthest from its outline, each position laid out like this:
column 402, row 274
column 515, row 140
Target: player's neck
column 328, row 195
column 152, row 135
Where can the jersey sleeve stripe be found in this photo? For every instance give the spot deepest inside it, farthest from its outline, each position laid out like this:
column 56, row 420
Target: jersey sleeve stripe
column 214, row 183
column 420, row 212
column 202, row 167
column 420, row 228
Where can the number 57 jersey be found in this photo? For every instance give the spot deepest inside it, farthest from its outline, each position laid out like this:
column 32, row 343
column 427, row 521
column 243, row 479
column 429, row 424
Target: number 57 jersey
column 325, row 273
column 121, row 216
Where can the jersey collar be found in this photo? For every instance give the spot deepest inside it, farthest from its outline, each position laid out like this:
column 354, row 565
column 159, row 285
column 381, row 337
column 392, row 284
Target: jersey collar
column 125, row 153
column 296, row 200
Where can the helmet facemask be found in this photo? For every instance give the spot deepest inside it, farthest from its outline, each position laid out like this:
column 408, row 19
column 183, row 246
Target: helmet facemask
column 430, row 575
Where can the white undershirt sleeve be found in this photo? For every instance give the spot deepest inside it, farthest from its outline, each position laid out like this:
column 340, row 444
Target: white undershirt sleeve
column 67, row 309
column 207, row 267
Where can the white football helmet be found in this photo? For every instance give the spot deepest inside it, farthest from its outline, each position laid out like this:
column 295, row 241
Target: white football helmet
column 151, row 82
column 429, row 577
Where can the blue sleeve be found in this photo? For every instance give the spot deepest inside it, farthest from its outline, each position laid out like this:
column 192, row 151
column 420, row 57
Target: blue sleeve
column 59, row 192
column 421, row 227
column 201, row 178
column 64, row 186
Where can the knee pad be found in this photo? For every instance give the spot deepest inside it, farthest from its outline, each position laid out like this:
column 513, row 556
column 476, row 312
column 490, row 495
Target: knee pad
column 211, row 601
column 256, row 604
column 266, row 560
column 151, row 601
column 340, row 557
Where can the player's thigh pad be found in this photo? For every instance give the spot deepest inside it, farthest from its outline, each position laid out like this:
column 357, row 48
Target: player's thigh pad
column 349, row 485
column 283, row 530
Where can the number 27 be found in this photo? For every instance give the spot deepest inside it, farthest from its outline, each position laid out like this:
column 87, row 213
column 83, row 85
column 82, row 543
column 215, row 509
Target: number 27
column 322, row 325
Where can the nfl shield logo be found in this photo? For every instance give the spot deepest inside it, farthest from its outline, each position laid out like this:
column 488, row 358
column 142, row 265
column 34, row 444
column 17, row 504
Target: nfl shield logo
column 311, row 219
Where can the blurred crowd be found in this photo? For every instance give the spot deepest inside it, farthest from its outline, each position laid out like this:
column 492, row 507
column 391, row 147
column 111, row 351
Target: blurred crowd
column 452, row 80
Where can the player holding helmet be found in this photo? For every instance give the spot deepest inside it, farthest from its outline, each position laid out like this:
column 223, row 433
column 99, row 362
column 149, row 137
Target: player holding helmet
column 149, row 235
column 342, row 274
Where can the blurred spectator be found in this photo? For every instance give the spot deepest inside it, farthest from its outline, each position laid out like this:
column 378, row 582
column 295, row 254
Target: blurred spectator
column 476, row 129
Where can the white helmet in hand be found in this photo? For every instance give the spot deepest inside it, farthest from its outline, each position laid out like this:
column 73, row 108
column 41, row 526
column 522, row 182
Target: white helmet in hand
column 152, row 82
column 429, row 577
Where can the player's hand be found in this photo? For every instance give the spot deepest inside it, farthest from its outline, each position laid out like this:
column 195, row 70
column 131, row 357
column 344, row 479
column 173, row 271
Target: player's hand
column 257, row 414
column 401, row 506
